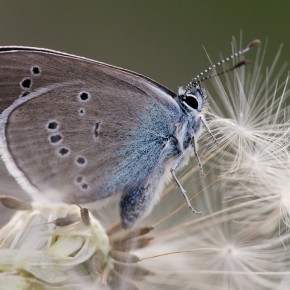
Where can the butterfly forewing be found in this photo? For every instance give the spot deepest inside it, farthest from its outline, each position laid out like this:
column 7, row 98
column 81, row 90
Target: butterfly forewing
column 78, row 130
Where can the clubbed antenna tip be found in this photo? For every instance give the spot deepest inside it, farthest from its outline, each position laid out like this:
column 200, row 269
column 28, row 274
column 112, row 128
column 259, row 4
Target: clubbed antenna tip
column 254, row 43
column 205, row 75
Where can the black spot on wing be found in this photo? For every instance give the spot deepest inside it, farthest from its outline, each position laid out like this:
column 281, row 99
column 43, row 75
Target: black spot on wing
column 97, row 129
column 35, row 70
column 64, row 151
column 81, row 161
column 26, row 83
column 54, row 139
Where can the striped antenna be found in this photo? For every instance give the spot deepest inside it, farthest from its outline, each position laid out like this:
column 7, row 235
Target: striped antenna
column 239, row 64
column 204, row 75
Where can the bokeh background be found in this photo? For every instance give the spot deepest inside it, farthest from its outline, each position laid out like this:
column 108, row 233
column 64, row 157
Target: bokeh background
column 161, row 39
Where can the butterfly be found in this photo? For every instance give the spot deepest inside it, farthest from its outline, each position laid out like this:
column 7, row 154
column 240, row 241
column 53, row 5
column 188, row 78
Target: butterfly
column 77, row 130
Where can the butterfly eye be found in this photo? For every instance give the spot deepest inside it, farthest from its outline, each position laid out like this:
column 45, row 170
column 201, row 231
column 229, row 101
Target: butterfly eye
column 192, row 102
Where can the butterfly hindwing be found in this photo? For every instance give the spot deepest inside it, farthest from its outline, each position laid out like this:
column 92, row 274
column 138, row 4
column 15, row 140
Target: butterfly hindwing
column 80, row 130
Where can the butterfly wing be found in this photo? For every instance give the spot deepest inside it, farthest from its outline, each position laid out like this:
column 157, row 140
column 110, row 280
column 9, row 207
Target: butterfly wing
column 20, row 71
column 79, row 130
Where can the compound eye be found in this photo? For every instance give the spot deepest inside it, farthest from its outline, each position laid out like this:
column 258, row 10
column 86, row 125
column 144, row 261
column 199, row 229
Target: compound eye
column 192, row 102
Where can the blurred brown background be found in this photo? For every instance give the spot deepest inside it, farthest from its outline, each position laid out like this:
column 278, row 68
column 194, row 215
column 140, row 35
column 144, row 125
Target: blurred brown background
column 159, row 38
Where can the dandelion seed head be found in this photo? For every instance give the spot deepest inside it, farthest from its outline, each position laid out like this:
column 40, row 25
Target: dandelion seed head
column 239, row 242
column 248, row 119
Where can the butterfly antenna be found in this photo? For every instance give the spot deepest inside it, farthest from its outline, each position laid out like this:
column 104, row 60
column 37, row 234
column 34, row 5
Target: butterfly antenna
column 239, row 64
column 204, row 74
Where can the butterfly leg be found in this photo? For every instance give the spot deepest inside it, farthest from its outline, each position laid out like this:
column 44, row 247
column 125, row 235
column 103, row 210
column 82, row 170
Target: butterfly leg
column 173, row 170
column 194, row 145
column 204, row 123
column 134, row 204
